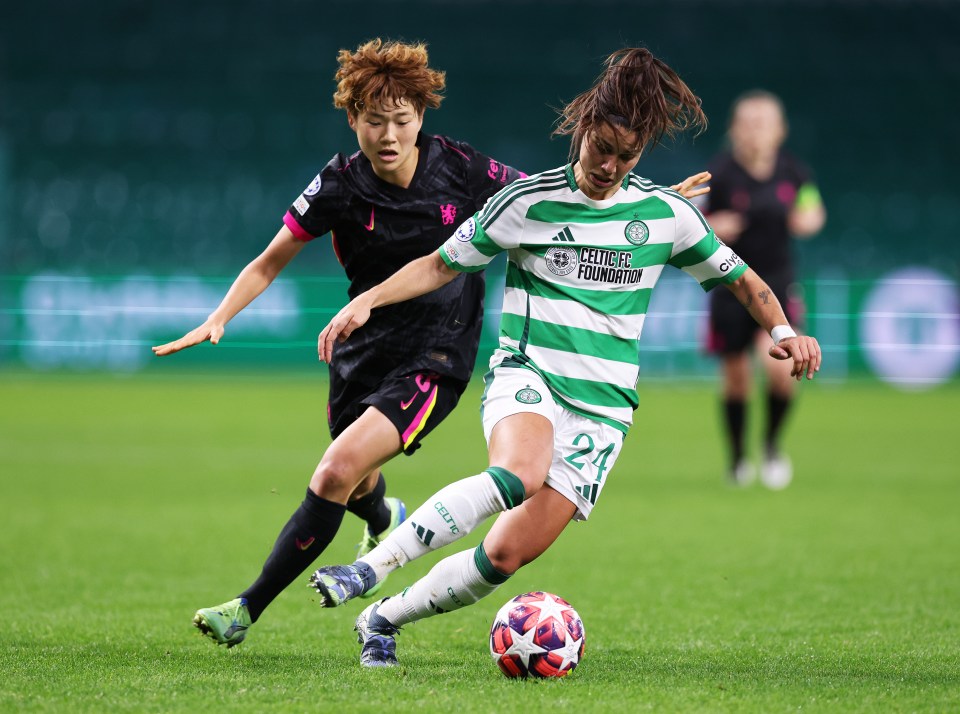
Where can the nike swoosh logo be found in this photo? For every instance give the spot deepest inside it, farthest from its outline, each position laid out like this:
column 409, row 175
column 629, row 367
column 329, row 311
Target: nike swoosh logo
column 404, row 406
column 303, row 545
column 369, row 226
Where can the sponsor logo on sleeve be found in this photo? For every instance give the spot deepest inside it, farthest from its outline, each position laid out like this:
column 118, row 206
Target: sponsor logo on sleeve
column 466, row 231
column 732, row 261
column 452, row 251
column 313, row 188
column 301, row 205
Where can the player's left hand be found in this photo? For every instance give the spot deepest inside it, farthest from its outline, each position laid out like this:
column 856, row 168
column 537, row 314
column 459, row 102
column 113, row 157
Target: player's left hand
column 693, row 185
column 355, row 314
column 803, row 350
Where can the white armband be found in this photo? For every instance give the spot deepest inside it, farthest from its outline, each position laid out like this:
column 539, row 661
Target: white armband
column 781, row 332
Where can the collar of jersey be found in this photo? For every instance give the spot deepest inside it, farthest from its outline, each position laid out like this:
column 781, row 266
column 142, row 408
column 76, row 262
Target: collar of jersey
column 572, row 180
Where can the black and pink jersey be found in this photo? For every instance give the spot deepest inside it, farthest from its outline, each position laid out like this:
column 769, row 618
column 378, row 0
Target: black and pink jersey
column 377, row 228
column 764, row 243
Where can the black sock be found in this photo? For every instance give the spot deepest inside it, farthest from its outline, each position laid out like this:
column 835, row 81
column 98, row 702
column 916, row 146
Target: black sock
column 372, row 508
column 777, row 408
column 306, row 535
column 735, row 417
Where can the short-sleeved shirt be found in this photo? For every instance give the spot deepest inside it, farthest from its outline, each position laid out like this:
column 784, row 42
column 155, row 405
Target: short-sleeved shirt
column 765, row 240
column 378, row 228
column 580, row 273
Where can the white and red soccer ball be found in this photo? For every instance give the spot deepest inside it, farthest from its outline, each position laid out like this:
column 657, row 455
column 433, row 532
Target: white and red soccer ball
column 537, row 635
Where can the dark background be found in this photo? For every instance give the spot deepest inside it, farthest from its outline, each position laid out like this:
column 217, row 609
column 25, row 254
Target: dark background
column 154, row 137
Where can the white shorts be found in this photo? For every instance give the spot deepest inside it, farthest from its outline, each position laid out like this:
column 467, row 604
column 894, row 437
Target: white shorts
column 584, row 450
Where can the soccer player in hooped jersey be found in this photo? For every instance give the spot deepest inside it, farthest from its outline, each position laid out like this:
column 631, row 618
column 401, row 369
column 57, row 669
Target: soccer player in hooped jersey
column 585, row 244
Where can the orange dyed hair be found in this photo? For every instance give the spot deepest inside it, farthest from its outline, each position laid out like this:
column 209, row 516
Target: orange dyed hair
column 387, row 73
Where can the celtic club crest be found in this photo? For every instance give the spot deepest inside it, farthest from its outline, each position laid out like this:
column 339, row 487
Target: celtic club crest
column 637, row 232
column 527, row 395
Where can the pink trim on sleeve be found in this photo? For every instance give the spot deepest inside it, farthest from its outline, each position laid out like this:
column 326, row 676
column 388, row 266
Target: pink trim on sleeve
column 454, row 148
column 298, row 231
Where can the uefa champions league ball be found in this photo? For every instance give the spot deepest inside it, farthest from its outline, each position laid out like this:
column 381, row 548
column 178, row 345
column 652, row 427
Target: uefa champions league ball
column 537, row 635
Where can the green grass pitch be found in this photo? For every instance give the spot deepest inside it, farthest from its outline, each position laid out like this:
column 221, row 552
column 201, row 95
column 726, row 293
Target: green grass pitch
column 127, row 503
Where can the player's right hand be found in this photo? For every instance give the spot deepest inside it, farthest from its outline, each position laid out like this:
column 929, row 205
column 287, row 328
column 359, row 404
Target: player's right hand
column 354, row 315
column 693, row 186
column 208, row 331
column 805, row 353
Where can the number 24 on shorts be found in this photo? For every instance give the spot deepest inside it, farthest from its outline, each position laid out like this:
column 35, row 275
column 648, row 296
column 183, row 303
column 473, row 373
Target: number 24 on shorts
column 578, row 459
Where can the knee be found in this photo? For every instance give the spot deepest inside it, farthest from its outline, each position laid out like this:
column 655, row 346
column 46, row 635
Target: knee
column 532, row 476
column 532, row 484
column 504, row 559
column 334, row 479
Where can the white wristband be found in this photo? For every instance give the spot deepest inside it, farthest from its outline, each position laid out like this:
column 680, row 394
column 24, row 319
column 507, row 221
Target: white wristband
column 781, row 332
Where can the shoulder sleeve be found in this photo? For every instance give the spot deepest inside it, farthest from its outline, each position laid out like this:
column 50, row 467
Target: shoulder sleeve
column 314, row 211
column 697, row 250
column 487, row 233
column 485, row 176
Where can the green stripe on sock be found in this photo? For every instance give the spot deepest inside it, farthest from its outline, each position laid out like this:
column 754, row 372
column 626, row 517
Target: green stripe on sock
column 510, row 487
column 487, row 571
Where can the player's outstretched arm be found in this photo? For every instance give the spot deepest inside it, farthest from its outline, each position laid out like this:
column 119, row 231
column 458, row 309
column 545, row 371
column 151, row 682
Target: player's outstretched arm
column 755, row 295
column 252, row 281
column 695, row 185
column 416, row 278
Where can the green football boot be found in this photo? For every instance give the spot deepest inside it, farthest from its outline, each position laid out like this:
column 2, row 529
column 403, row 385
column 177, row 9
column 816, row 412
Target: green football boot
column 224, row 624
column 398, row 513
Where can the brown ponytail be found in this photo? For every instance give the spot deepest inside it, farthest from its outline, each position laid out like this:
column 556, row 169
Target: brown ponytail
column 636, row 92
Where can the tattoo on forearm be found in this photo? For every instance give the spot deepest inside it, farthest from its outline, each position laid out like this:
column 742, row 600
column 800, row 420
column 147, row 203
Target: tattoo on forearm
column 765, row 296
column 747, row 301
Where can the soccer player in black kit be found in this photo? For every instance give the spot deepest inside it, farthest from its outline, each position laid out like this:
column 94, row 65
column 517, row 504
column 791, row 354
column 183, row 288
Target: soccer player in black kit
column 397, row 199
column 760, row 196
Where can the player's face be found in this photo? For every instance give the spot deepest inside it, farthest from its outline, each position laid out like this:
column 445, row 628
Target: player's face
column 757, row 128
column 388, row 137
column 607, row 154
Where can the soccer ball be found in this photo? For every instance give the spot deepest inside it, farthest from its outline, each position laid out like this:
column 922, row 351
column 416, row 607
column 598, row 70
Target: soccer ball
column 537, row 635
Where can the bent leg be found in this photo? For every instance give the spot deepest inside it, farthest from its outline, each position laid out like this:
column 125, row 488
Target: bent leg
column 518, row 537
column 359, row 450
column 355, row 456
column 521, row 448
column 522, row 535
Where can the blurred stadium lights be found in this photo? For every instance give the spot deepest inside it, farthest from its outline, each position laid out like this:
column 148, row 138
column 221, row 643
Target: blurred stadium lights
column 137, row 152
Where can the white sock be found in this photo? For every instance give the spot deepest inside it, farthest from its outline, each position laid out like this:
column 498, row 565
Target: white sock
column 448, row 515
column 453, row 583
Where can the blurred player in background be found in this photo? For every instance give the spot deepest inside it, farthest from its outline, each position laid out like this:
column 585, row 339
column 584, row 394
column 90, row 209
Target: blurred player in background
column 395, row 200
column 760, row 196
column 586, row 244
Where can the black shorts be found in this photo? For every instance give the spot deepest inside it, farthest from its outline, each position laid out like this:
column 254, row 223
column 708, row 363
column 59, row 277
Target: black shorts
column 415, row 403
column 733, row 330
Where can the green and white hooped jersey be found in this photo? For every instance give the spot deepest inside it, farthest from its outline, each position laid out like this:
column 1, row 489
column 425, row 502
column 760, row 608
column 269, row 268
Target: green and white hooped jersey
column 579, row 277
